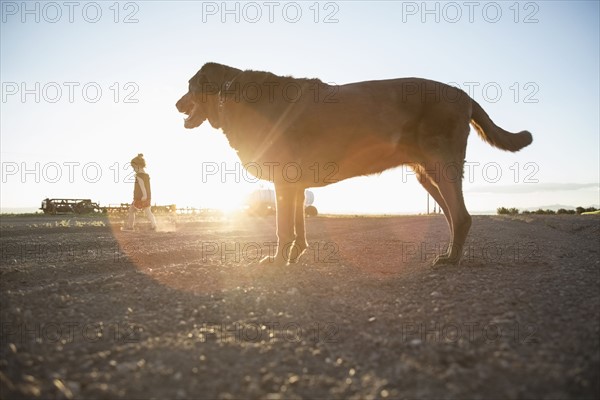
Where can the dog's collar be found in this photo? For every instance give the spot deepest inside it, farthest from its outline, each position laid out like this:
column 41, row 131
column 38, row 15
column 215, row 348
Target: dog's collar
column 226, row 86
column 221, row 105
column 222, row 96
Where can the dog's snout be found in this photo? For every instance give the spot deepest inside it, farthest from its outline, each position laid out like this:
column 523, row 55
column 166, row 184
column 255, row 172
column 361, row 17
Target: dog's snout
column 183, row 104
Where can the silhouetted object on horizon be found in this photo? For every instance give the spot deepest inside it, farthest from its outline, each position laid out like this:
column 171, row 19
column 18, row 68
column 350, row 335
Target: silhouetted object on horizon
column 262, row 203
column 67, row 206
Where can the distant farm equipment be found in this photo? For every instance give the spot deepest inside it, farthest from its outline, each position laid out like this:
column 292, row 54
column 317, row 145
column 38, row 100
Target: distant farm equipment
column 69, row 206
column 87, row 206
column 262, row 203
column 124, row 208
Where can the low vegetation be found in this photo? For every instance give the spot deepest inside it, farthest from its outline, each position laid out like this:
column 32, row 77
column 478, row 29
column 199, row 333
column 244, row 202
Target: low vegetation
column 515, row 211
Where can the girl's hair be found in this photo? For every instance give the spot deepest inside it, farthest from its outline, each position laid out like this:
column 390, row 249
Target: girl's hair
column 139, row 161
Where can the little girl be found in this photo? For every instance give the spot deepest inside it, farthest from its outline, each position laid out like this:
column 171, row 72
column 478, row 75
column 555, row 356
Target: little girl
column 141, row 194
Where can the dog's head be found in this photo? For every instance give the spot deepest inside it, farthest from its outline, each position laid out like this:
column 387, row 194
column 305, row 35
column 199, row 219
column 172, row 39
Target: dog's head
column 201, row 100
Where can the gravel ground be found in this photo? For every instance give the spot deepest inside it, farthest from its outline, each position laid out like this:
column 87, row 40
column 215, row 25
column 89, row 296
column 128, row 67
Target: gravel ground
column 90, row 312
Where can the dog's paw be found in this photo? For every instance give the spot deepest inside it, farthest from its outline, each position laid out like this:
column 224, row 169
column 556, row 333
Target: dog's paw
column 270, row 261
column 296, row 252
column 445, row 260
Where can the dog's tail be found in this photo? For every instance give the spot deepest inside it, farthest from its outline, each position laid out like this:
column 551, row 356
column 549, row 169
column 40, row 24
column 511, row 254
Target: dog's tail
column 495, row 135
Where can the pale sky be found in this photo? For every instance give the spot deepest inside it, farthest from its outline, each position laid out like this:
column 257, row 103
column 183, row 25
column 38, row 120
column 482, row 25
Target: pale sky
column 88, row 85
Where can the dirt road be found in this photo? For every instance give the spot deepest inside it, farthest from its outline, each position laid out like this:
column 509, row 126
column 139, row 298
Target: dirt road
column 89, row 312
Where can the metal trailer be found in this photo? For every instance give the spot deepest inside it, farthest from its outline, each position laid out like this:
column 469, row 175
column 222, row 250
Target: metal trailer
column 86, row 206
column 168, row 209
column 123, row 208
column 116, row 209
column 69, row 206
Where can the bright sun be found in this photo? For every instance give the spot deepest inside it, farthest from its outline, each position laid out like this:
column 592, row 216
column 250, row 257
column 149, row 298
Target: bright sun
column 200, row 170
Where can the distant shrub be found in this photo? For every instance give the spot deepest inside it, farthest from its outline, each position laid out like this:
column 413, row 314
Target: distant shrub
column 544, row 212
column 564, row 211
column 539, row 211
column 507, row 211
column 582, row 210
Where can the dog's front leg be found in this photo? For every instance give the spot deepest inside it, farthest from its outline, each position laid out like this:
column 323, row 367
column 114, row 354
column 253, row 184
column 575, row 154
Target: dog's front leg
column 286, row 203
column 300, row 244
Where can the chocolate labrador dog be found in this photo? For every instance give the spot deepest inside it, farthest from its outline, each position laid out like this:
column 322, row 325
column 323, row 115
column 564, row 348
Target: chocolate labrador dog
column 301, row 133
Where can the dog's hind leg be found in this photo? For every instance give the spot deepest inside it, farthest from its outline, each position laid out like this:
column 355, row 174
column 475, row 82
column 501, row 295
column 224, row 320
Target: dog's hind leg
column 450, row 188
column 427, row 182
column 300, row 244
column 285, row 195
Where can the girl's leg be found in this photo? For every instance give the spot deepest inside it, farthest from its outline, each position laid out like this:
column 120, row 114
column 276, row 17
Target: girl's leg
column 150, row 217
column 130, row 217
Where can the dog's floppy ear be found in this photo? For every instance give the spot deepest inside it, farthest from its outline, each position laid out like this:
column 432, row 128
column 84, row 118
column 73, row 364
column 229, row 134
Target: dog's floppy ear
column 211, row 78
column 214, row 73
column 201, row 83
